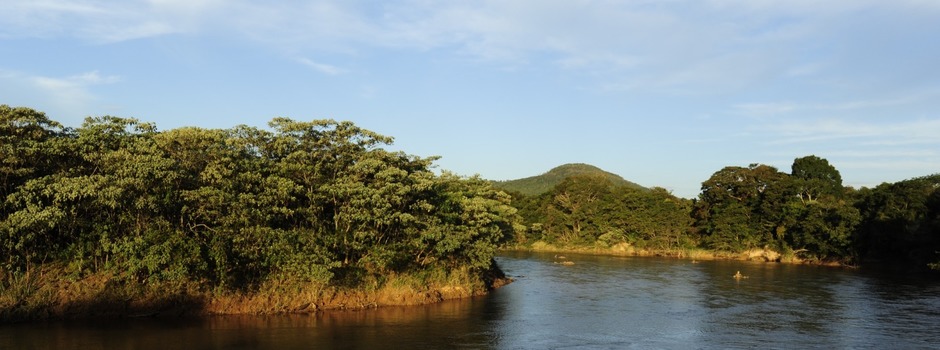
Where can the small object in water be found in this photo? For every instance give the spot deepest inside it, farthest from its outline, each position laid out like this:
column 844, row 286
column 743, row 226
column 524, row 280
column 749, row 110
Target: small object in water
column 738, row 275
column 695, row 261
column 559, row 256
column 567, row 262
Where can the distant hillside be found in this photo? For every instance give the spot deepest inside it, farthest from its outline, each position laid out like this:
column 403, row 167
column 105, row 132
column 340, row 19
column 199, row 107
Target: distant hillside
column 543, row 183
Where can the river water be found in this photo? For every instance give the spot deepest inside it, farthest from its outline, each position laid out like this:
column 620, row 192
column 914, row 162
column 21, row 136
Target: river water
column 599, row 302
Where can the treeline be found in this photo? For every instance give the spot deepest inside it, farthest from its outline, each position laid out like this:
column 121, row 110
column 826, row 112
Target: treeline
column 308, row 202
column 536, row 185
column 805, row 214
column 322, row 202
column 592, row 210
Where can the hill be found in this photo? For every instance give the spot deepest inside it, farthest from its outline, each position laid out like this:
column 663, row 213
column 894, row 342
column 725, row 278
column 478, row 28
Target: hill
column 536, row 185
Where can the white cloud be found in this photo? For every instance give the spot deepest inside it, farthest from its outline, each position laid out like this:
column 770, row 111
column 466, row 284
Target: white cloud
column 93, row 78
column 762, row 109
column 893, row 164
column 321, row 67
column 109, row 33
column 185, row 6
column 73, row 91
column 672, row 46
column 69, row 96
column 805, row 69
column 103, row 21
column 866, row 152
column 58, row 7
column 892, row 153
column 922, row 131
column 813, row 107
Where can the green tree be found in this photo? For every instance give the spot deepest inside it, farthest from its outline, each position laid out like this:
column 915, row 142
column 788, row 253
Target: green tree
column 815, row 177
column 741, row 208
column 30, row 152
column 575, row 212
column 471, row 219
column 26, row 147
column 901, row 221
column 820, row 224
column 305, row 202
column 654, row 218
column 824, row 229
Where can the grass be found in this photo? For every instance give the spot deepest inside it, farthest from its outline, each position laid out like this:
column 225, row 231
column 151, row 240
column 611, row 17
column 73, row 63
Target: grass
column 50, row 293
column 396, row 289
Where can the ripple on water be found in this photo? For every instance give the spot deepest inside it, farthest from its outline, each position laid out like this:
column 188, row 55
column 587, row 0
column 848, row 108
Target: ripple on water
column 598, row 303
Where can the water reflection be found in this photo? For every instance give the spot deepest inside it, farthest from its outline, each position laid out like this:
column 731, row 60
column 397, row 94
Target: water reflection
column 600, row 302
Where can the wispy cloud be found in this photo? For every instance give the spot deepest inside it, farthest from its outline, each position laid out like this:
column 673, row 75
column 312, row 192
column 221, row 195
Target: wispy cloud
column 762, row 109
column 867, row 152
column 64, row 96
column 71, row 93
column 716, row 45
column 321, row 67
column 923, row 131
column 791, row 107
column 893, row 153
column 103, row 21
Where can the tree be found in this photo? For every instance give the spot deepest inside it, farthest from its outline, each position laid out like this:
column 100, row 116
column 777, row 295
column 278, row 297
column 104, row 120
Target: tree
column 661, row 219
column 576, row 211
column 820, row 224
column 901, row 221
column 741, row 208
column 815, row 177
column 470, row 220
column 26, row 147
column 29, row 154
column 824, row 229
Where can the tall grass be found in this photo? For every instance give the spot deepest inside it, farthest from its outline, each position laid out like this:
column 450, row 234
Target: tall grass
column 51, row 293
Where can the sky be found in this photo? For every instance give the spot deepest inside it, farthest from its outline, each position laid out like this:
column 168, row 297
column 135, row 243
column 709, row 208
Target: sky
column 663, row 93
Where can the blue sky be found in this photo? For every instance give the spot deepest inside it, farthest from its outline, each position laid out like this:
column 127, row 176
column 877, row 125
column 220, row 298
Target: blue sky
column 664, row 92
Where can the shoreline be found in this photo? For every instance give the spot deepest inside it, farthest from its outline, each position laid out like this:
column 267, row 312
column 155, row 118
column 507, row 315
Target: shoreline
column 55, row 295
column 51, row 295
column 625, row 249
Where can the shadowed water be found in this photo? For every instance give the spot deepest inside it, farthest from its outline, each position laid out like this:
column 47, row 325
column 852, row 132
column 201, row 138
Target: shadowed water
column 599, row 302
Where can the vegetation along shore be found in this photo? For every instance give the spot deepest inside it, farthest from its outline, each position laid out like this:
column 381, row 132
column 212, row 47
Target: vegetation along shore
column 116, row 218
column 753, row 212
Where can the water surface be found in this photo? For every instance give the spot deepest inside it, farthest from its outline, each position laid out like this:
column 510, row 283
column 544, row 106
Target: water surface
column 597, row 303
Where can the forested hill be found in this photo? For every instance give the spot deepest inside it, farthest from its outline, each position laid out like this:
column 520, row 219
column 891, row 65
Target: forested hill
column 536, row 185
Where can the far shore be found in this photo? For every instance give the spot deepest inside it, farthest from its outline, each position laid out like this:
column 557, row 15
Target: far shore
column 625, row 249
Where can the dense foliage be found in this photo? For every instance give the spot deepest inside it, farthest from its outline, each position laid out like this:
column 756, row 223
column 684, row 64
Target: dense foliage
column 590, row 209
column 536, row 185
column 805, row 214
column 316, row 201
column 901, row 221
column 323, row 202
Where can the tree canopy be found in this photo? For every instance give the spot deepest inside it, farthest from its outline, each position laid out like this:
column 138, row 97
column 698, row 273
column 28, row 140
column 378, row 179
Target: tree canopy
column 318, row 201
column 806, row 213
column 323, row 202
column 536, row 185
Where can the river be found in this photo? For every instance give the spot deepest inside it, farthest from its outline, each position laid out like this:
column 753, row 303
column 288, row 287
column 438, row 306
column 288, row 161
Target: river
column 600, row 302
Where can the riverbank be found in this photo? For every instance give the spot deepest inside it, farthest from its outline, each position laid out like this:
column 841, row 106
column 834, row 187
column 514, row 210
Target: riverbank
column 47, row 293
column 626, row 249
